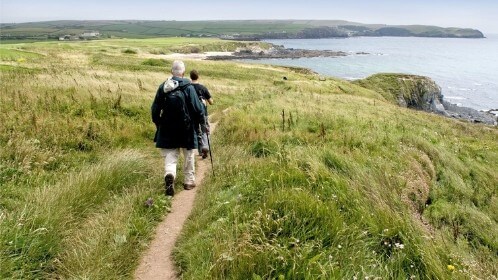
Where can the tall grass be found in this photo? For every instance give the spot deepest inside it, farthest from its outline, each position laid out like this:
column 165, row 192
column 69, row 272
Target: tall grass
column 86, row 224
column 73, row 184
column 346, row 186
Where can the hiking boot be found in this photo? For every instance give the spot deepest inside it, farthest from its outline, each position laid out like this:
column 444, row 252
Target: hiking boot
column 169, row 181
column 188, row 186
column 204, row 152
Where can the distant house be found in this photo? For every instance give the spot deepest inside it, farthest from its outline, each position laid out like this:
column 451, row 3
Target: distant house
column 66, row 38
column 83, row 36
column 90, row 34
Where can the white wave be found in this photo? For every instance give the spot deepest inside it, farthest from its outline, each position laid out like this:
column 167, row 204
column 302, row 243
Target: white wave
column 461, row 89
column 455, row 97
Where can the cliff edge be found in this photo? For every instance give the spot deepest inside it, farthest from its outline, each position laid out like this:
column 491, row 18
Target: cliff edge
column 421, row 93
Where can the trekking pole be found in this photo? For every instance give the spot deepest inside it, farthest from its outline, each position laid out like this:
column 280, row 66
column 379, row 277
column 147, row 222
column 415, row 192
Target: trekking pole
column 210, row 155
column 210, row 148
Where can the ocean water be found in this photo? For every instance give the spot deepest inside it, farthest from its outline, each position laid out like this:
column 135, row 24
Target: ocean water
column 466, row 69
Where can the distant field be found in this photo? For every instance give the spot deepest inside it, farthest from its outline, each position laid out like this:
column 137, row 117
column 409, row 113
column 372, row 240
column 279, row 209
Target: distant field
column 240, row 29
column 139, row 29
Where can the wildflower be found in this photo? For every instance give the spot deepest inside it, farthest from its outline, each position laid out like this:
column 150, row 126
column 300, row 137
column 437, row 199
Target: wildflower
column 399, row 245
column 149, row 202
column 339, row 246
column 450, row 267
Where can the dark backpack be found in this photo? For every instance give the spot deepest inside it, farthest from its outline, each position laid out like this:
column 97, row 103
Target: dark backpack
column 175, row 112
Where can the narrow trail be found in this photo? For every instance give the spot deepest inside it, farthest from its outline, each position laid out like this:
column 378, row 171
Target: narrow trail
column 157, row 262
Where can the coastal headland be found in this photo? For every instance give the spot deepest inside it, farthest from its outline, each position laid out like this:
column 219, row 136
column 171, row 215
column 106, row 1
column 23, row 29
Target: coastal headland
column 75, row 30
column 422, row 93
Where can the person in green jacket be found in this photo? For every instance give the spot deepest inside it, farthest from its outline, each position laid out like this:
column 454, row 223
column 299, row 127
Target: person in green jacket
column 175, row 111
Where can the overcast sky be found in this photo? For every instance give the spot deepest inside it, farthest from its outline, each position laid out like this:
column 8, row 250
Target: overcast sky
column 479, row 14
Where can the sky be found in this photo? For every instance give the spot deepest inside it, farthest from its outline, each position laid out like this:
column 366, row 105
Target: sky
column 478, row 14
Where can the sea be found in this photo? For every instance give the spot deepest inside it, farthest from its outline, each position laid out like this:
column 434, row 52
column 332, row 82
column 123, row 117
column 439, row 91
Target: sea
column 465, row 69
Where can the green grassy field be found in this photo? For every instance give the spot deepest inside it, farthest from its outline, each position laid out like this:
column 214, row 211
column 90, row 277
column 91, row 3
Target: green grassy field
column 52, row 30
column 151, row 29
column 346, row 185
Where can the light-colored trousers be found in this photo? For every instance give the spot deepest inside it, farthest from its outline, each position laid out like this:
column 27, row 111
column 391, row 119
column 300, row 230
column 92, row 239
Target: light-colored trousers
column 171, row 159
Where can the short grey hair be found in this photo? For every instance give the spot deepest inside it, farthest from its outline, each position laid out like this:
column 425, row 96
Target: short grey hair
column 178, row 68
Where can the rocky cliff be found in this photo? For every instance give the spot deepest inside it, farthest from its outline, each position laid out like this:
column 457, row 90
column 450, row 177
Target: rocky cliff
column 421, row 93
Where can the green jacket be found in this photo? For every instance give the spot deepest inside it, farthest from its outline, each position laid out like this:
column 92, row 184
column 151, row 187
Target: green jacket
column 172, row 132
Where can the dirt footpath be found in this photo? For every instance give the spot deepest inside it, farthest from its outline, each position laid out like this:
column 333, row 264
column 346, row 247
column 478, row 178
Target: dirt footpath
column 157, row 262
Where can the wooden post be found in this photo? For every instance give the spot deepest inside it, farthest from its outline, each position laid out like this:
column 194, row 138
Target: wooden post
column 283, row 120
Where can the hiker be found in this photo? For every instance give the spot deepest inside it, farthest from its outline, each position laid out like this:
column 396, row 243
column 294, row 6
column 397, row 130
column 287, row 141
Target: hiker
column 205, row 97
column 175, row 111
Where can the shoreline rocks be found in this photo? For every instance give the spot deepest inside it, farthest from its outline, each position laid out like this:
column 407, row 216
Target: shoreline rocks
column 469, row 114
column 277, row 52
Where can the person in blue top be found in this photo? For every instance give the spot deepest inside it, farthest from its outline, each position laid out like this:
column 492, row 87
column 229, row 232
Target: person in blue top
column 175, row 111
column 205, row 97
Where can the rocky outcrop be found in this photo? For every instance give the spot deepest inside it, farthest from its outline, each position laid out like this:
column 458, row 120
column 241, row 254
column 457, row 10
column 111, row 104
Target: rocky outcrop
column 422, row 93
column 276, row 52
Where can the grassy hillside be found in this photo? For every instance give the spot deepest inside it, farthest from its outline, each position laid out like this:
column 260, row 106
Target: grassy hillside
column 52, row 30
column 344, row 184
column 147, row 29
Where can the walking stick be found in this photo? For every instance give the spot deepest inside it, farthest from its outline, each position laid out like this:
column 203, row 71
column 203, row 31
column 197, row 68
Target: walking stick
column 210, row 155
column 210, row 148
